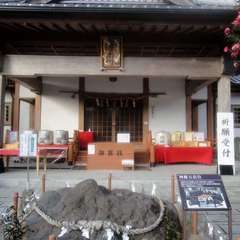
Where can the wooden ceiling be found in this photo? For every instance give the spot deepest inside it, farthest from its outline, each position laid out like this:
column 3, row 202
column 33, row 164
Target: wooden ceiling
column 81, row 36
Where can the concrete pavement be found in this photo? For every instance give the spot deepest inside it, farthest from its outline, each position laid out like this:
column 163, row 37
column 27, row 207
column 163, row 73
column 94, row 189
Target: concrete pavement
column 158, row 180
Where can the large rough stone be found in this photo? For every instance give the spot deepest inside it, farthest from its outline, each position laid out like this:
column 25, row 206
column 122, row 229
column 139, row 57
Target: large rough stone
column 88, row 201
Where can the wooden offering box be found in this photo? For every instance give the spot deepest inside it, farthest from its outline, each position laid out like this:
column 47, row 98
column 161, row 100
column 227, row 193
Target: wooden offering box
column 108, row 155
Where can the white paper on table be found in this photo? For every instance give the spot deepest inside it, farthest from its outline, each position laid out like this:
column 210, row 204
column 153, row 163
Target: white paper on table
column 123, row 137
column 91, row 149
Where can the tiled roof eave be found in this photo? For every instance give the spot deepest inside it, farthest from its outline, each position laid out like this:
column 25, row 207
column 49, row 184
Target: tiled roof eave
column 111, row 7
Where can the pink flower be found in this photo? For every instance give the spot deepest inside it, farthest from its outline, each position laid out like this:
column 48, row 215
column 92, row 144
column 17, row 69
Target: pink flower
column 236, row 47
column 226, row 49
column 236, row 22
column 227, row 31
column 234, row 54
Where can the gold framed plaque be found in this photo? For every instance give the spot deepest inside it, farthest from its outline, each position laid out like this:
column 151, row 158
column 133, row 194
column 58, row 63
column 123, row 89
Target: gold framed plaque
column 111, row 53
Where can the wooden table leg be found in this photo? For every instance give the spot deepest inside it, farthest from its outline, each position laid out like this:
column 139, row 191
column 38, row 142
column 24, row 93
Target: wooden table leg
column 37, row 164
column 6, row 160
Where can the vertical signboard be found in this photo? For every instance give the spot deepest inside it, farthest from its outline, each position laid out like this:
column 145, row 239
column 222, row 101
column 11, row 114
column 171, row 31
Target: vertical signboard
column 28, row 145
column 225, row 142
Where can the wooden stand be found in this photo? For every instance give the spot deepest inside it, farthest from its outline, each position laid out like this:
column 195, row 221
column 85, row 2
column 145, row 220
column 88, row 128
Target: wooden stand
column 173, row 188
column 194, row 223
column 15, row 201
column 110, row 182
column 52, row 237
column 43, row 183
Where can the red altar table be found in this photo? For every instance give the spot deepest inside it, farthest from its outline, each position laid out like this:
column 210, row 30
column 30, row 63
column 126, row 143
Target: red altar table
column 9, row 152
column 168, row 155
column 6, row 153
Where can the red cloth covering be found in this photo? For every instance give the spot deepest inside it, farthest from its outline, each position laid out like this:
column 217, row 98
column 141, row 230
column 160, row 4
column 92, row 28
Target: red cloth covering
column 85, row 138
column 9, row 152
column 168, row 155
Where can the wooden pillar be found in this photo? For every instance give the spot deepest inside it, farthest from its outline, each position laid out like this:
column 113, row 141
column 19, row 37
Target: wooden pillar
column 2, row 106
column 16, row 106
column 188, row 106
column 224, row 94
column 37, row 113
column 81, row 102
column 145, row 109
column 210, row 114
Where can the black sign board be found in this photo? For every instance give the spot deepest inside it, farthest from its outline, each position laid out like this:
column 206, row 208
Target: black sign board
column 202, row 192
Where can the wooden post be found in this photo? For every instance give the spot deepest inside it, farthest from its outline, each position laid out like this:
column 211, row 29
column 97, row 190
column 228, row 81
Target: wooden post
column 37, row 113
column 210, row 114
column 173, row 188
column 145, row 109
column 37, row 164
column 16, row 106
column 15, row 201
column 2, row 107
column 184, row 224
column 81, row 102
column 230, row 224
column 110, row 182
column 43, row 183
column 188, row 106
column 52, row 237
column 194, row 223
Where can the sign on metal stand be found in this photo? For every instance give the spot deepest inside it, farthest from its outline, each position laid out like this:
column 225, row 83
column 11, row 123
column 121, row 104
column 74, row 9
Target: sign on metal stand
column 203, row 193
column 28, row 148
column 225, row 143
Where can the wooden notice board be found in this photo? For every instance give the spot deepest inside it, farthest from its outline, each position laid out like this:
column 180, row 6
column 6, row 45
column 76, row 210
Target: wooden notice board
column 109, row 155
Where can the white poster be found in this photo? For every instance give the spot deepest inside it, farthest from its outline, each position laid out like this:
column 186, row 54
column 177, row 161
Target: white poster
column 28, row 145
column 123, row 137
column 225, row 138
column 91, row 149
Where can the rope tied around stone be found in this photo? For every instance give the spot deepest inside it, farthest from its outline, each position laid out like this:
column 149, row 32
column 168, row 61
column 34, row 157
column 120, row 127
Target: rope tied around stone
column 98, row 224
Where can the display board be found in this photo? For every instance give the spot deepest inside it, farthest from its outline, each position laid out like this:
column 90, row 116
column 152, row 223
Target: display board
column 202, row 192
column 225, row 141
column 28, row 145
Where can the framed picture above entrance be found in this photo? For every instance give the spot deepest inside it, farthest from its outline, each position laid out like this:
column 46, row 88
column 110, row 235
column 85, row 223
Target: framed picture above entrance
column 111, row 53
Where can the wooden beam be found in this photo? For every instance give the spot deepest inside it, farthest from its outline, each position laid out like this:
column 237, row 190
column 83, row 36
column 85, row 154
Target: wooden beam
column 113, row 95
column 16, row 106
column 188, row 107
column 210, row 114
column 2, row 107
column 81, row 102
column 34, row 84
column 145, row 109
column 196, row 85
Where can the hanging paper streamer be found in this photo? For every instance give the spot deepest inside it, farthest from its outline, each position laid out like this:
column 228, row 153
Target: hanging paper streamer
column 154, row 188
column 63, row 232
column 85, row 233
column 133, row 187
column 110, row 234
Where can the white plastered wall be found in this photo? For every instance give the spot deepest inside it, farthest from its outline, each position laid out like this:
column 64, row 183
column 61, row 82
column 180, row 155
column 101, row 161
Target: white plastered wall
column 167, row 112
column 59, row 110
column 202, row 95
column 202, row 110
